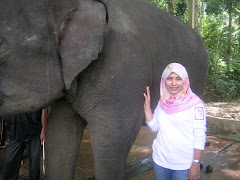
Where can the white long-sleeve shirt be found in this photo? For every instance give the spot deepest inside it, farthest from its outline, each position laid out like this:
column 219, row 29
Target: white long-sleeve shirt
column 178, row 135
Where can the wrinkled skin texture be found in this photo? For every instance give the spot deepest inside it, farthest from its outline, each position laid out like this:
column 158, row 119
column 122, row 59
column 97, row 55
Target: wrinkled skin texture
column 91, row 61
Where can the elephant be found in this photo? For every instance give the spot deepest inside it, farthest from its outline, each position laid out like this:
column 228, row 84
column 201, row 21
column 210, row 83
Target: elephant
column 91, row 60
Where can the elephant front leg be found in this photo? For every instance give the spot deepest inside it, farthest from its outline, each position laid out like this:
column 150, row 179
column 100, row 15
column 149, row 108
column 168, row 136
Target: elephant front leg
column 64, row 132
column 111, row 144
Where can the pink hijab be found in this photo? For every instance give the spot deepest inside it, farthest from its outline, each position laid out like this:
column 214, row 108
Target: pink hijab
column 184, row 99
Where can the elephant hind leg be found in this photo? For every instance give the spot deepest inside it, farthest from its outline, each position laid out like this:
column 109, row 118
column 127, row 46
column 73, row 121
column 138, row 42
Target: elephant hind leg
column 64, row 132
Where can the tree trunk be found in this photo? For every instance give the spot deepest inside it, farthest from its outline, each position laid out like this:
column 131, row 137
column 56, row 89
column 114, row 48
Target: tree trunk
column 239, row 33
column 191, row 13
column 229, row 51
column 216, row 54
column 196, row 12
column 236, row 48
column 201, row 16
column 170, row 7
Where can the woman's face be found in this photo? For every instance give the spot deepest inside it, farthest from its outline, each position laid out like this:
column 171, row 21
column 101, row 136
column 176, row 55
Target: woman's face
column 174, row 84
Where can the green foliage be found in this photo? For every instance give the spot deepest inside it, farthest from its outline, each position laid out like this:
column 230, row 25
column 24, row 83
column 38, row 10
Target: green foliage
column 222, row 86
column 182, row 10
column 162, row 4
column 180, row 7
column 219, row 6
column 214, row 7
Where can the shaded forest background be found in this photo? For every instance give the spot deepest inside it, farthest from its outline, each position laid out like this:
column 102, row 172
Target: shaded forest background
column 218, row 23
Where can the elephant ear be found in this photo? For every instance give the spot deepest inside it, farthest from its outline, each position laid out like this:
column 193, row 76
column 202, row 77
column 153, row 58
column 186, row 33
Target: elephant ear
column 81, row 39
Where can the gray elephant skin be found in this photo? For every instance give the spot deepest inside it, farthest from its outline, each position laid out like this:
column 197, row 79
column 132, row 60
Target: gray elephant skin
column 90, row 60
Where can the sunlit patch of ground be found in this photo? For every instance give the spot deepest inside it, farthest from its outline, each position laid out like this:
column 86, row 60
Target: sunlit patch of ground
column 232, row 173
column 230, row 110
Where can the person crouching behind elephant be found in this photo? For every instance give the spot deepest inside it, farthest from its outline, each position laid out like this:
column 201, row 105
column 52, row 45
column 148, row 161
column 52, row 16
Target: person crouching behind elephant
column 27, row 131
column 180, row 122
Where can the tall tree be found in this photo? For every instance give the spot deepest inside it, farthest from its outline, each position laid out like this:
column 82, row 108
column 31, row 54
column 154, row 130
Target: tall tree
column 170, row 7
column 229, row 51
column 191, row 13
column 196, row 12
column 239, row 32
column 201, row 16
column 217, row 7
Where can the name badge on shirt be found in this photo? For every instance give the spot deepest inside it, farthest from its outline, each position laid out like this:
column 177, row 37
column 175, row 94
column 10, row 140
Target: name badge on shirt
column 199, row 113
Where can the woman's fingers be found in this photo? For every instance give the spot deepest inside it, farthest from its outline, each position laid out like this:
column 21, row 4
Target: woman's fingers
column 147, row 94
column 148, row 91
column 144, row 94
column 147, row 97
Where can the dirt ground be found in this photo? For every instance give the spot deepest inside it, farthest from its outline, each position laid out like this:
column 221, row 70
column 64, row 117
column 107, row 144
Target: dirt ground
column 221, row 154
column 229, row 110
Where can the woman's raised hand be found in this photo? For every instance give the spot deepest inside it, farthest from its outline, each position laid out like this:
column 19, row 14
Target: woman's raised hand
column 147, row 98
column 147, row 108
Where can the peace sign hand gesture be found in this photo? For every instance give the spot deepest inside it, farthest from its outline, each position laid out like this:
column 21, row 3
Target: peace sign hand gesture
column 147, row 108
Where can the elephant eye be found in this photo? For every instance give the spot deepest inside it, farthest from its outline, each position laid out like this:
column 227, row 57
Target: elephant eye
column 31, row 44
column 32, row 39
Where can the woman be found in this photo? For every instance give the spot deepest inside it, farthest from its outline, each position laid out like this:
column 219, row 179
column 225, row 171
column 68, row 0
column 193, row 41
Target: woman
column 180, row 122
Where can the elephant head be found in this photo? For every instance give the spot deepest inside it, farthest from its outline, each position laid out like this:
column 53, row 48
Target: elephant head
column 44, row 45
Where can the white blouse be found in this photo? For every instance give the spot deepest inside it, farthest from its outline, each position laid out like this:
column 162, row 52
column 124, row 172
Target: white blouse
column 178, row 135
